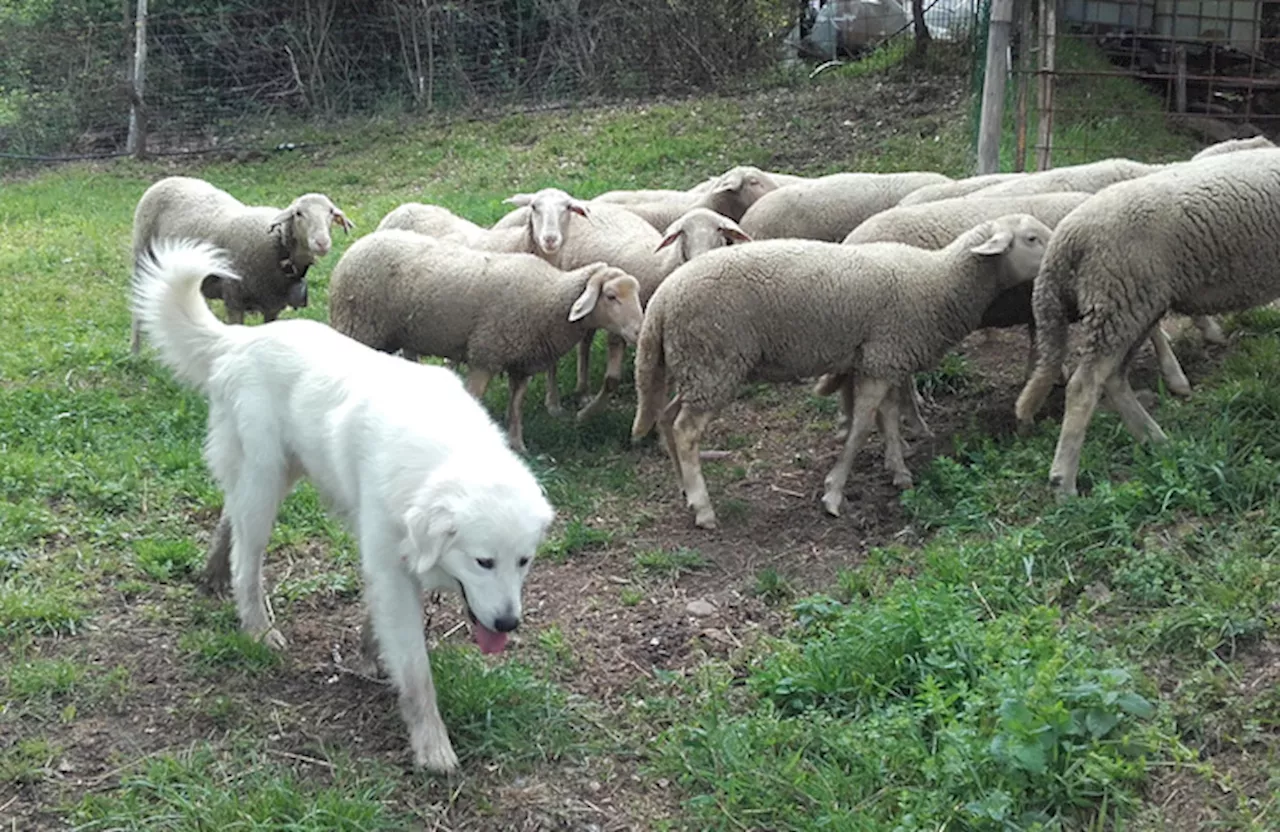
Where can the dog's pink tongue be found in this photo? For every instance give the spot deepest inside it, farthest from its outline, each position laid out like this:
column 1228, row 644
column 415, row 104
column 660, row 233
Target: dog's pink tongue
column 489, row 641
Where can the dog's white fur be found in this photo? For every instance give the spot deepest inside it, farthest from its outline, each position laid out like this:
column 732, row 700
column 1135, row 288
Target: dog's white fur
column 400, row 450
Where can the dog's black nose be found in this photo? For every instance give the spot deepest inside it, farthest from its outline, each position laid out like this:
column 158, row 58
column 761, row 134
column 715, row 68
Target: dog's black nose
column 506, row 623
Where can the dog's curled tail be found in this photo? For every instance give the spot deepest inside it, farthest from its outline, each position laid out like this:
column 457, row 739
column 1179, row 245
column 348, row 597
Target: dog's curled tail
column 171, row 311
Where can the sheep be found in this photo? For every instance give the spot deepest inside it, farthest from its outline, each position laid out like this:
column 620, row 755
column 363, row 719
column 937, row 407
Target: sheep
column 829, row 207
column 1095, row 176
column 784, row 309
column 958, row 188
column 1089, row 178
column 1198, row 238
column 934, row 225
column 271, row 249
column 731, row 194
column 1232, row 145
column 511, row 313
column 568, row 233
column 433, row 221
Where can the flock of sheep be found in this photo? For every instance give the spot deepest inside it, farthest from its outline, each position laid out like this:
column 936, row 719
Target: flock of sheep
column 859, row 280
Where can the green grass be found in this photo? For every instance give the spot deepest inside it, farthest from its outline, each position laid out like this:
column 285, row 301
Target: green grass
column 204, row 790
column 668, row 563
column 1028, row 663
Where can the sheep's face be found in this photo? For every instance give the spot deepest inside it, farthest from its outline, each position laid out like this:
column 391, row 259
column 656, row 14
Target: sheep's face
column 311, row 216
column 700, row 231
column 550, row 210
column 748, row 183
column 1020, row 239
column 610, row 301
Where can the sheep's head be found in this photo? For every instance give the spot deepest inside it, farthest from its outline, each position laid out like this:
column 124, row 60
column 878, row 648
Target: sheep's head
column 309, row 218
column 699, row 231
column 610, row 301
column 737, row 189
column 549, row 213
column 1019, row 239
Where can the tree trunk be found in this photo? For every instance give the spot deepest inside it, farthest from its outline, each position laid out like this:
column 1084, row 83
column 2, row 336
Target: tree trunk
column 923, row 37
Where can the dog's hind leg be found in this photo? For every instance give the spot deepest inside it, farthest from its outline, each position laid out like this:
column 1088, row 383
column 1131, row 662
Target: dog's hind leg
column 251, row 506
column 217, row 565
column 395, row 605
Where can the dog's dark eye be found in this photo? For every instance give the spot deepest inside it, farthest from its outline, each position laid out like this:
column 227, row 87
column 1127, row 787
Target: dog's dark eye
column 524, row 562
column 485, row 563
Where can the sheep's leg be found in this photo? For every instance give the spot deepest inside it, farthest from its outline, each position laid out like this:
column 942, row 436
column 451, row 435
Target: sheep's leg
column 519, row 385
column 584, row 364
column 235, row 315
column 552, row 399
column 478, row 382
column 1169, row 366
column 1082, row 398
column 1209, row 329
column 666, row 429
column 911, row 403
column 867, row 398
column 395, row 605
column 269, row 315
column 1135, row 417
column 612, row 378
column 217, row 563
column 888, row 417
column 1031, row 349
column 846, row 407
column 409, row 355
column 687, row 431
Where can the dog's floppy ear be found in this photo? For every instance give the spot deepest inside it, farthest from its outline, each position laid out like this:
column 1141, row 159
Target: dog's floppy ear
column 429, row 532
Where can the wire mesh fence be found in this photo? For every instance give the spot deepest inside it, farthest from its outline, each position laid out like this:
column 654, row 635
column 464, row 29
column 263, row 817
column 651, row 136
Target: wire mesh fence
column 219, row 70
column 1109, row 77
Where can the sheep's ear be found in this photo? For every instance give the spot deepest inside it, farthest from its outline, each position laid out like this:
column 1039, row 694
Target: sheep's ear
column 728, row 182
column 580, row 208
column 671, row 237
column 587, row 300
column 280, row 219
column 733, row 234
column 340, row 218
column 998, row 244
column 519, row 200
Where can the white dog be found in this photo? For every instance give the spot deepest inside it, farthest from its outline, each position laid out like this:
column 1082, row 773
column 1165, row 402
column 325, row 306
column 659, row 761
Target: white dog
column 414, row 464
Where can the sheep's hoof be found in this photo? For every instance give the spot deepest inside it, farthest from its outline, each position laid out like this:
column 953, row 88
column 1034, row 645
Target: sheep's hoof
column 1213, row 334
column 1061, row 489
column 273, row 639
column 590, row 410
column 705, row 518
column 1025, row 428
column 903, row 480
column 831, row 502
column 1180, row 387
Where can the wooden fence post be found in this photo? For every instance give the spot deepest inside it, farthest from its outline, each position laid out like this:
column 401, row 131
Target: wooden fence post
column 1048, row 64
column 993, row 85
column 137, row 143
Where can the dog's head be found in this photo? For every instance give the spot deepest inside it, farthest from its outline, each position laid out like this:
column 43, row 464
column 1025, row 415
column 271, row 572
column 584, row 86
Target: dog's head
column 475, row 528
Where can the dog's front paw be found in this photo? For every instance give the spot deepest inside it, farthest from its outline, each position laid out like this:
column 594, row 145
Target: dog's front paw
column 437, row 758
